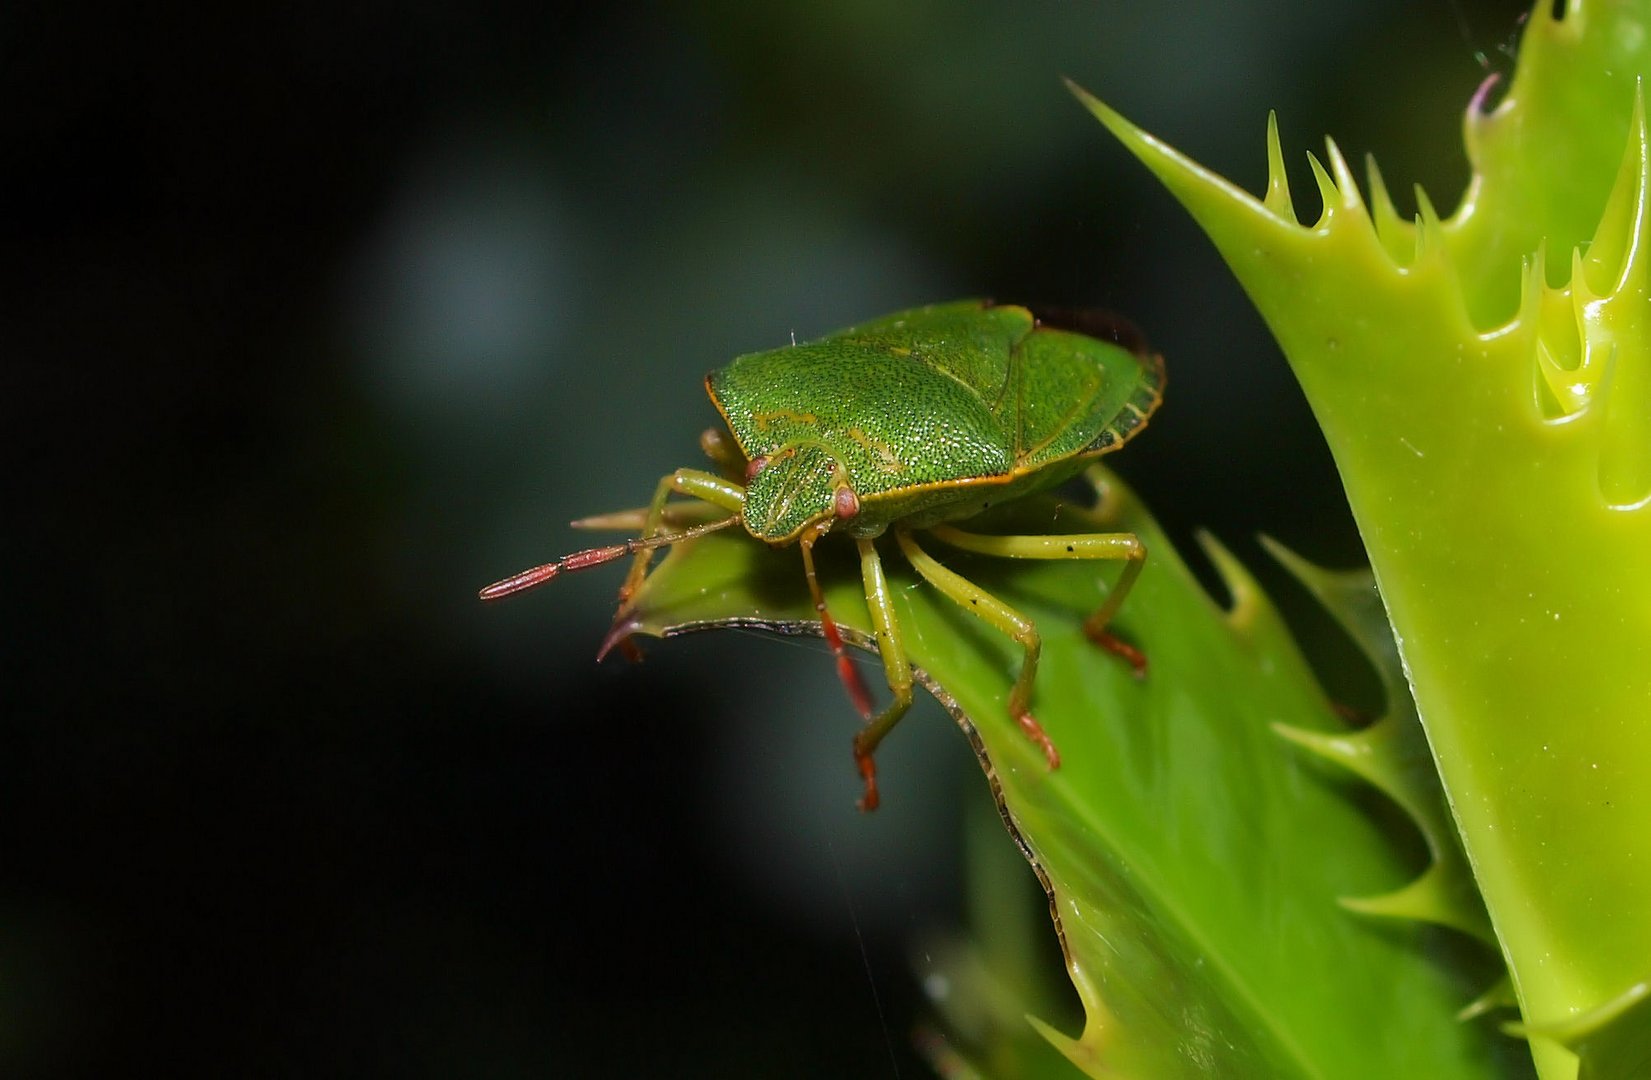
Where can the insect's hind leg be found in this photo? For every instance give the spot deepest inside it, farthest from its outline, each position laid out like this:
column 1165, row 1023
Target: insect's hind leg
column 1126, row 547
column 977, row 601
column 896, row 668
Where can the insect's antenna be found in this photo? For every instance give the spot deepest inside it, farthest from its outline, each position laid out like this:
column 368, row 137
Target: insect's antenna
column 583, row 560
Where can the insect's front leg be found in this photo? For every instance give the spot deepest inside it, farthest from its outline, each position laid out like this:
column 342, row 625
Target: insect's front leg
column 694, row 483
column 896, row 668
column 977, row 601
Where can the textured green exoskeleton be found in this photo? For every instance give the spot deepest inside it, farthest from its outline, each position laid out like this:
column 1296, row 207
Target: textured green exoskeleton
column 907, row 423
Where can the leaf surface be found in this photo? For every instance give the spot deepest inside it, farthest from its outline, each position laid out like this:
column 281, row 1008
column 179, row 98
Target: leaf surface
column 1193, row 857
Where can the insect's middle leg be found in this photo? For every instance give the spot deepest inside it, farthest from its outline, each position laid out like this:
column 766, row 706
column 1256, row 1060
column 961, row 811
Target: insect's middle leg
column 896, row 668
column 977, row 601
column 1122, row 546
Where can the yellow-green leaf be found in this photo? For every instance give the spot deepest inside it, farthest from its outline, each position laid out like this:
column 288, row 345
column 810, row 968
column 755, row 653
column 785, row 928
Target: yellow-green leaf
column 1193, row 857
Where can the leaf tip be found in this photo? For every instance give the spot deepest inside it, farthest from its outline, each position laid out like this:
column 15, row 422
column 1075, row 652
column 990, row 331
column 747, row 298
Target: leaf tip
column 1277, row 198
column 1246, row 599
column 1347, row 189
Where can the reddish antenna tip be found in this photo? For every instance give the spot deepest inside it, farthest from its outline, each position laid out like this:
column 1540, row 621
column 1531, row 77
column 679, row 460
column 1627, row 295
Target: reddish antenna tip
column 516, row 583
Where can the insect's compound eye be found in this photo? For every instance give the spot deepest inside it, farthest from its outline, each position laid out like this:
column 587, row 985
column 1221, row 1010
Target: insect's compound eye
column 845, row 504
column 756, row 466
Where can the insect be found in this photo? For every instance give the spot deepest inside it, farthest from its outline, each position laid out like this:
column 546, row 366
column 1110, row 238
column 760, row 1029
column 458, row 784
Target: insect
column 904, row 425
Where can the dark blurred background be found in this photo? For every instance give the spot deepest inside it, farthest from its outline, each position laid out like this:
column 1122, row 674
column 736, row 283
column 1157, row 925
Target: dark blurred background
column 318, row 317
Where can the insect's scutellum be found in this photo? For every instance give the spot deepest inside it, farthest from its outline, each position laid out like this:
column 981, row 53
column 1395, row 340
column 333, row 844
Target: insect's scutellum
column 906, row 424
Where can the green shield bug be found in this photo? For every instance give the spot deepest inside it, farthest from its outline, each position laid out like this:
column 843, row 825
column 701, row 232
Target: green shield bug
column 906, row 424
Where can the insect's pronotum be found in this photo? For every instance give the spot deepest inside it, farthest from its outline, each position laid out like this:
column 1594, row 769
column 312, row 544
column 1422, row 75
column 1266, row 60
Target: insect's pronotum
column 907, row 424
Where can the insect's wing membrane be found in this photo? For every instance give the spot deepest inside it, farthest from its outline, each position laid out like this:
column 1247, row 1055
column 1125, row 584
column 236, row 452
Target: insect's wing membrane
column 1075, row 395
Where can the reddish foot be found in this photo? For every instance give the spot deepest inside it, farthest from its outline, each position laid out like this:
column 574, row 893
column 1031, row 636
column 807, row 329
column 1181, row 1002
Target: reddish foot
column 868, row 772
column 1117, row 646
column 1034, row 731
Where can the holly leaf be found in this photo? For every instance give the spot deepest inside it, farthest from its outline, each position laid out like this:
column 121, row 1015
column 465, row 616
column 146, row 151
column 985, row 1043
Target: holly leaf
column 1193, row 856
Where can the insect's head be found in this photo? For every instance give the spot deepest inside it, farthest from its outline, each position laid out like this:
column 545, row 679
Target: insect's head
column 797, row 487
